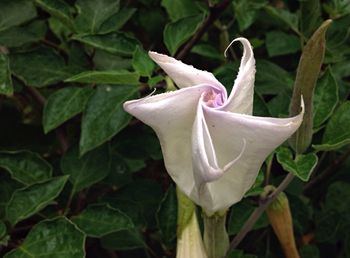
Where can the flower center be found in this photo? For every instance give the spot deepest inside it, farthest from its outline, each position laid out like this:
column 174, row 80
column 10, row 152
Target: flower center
column 213, row 99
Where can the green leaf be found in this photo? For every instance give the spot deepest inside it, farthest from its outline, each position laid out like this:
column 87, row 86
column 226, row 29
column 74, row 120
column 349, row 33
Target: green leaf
column 117, row 21
column 25, row 166
column 55, row 238
column 239, row 214
column 310, row 16
column 177, row 33
column 207, row 50
column 104, row 116
column 142, row 63
column 166, row 219
column 106, row 61
column 93, row 13
column 86, row 170
column 63, row 105
column 280, row 43
column 15, row 13
column 337, row 133
column 325, row 98
column 51, row 66
column 283, row 16
column 123, row 240
column 338, row 197
column 3, row 229
column 20, row 35
column 100, row 220
column 115, row 43
column 58, row 9
column 106, row 77
column 6, row 86
column 180, row 8
column 302, row 166
column 309, row 251
column 27, row 201
column 246, row 12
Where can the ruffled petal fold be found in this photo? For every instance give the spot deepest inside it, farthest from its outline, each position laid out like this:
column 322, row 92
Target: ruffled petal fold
column 185, row 75
column 250, row 138
column 241, row 98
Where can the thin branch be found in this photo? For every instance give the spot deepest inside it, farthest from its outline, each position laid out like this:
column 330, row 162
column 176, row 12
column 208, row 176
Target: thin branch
column 264, row 203
column 60, row 134
column 328, row 172
column 214, row 13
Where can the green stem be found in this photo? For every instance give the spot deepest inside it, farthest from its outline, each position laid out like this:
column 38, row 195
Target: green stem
column 216, row 240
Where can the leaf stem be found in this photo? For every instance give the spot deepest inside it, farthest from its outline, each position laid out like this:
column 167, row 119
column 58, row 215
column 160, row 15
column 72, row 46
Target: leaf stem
column 263, row 204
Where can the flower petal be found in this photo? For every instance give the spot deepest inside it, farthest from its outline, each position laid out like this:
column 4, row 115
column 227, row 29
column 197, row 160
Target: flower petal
column 185, row 75
column 242, row 94
column 250, row 138
column 171, row 115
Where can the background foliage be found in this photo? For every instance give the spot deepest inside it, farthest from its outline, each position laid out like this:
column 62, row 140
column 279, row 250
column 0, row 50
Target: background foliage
column 81, row 178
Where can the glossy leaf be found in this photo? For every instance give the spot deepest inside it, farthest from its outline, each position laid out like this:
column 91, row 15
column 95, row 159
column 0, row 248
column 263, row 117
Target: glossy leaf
column 106, row 77
column 117, row 21
column 115, row 43
column 86, row 170
column 180, row 8
column 176, row 33
column 302, row 166
column 20, row 35
column 27, row 201
column 55, row 238
column 104, row 116
column 142, row 63
column 15, row 13
column 246, row 12
column 25, row 166
column 337, row 133
column 325, row 98
column 6, row 86
column 45, row 60
column 59, row 9
column 63, row 105
column 280, row 43
column 166, row 220
column 93, row 13
column 101, row 220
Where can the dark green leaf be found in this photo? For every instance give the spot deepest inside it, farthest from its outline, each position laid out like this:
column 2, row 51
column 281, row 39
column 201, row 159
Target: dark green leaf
column 310, row 16
column 106, row 61
column 166, row 216
column 207, row 50
column 104, row 116
column 106, row 77
column 58, row 9
column 284, row 16
column 6, row 86
column 239, row 214
column 27, row 201
column 55, row 238
column 26, row 167
column 86, row 170
column 115, row 22
column 338, row 197
column 302, row 166
column 142, row 63
column 18, row 36
column 93, row 13
column 246, row 12
column 337, row 133
column 180, row 8
column 63, row 105
column 123, row 240
column 3, row 229
column 325, row 98
column 176, row 33
column 115, row 43
column 100, row 220
column 51, row 66
column 15, row 13
column 7, row 188
column 280, row 43
column 309, row 251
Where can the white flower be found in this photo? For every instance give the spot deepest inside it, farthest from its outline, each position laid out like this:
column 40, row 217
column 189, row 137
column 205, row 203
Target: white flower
column 212, row 145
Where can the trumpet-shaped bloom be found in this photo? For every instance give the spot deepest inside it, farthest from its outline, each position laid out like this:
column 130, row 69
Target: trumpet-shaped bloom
column 213, row 147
